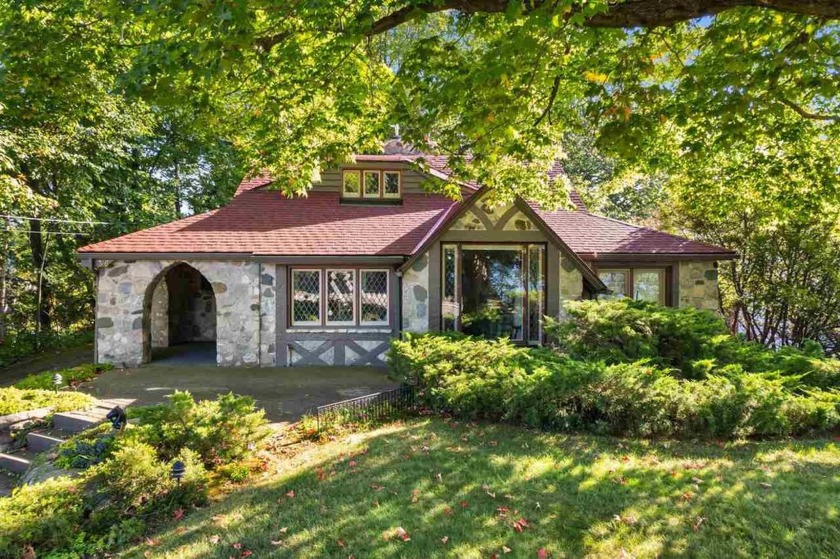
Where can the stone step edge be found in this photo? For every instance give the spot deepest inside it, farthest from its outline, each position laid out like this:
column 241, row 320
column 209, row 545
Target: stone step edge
column 41, row 441
column 14, row 464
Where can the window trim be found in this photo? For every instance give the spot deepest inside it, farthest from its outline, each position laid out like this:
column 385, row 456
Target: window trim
column 399, row 184
column 378, row 194
column 344, row 193
column 327, row 321
column 630, row 282
column 387, row 297
column 662, row 283
column 320, row 320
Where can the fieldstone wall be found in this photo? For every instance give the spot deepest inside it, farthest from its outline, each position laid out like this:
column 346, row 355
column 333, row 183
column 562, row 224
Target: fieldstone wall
column 268, row 315
column 126, row 288
column 698, row 285
column 571, row 283
column 415, row 296
column 192, row 306
column 160, row 315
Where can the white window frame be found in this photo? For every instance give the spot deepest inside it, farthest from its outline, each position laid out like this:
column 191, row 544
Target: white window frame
column 387, row 297
column 321, row 294
column 326, row 296
column 399, row 184
column 344, row 193
column 364, row 181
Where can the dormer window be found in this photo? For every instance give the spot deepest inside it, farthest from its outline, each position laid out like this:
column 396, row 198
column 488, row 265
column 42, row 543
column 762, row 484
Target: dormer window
column 370, row 185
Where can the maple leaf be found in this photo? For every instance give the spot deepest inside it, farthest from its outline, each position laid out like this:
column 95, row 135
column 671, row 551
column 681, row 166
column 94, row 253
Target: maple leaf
column 246, row 553
column 502, row 511
column 151, row 542
column 237, row 546
column 352, row 464
column 291, row 494
column 321, row 474
column 542, row 553
column 447, row 511
column 340, row 543
column 402, row 534
column 697, row 523
column 214, row 539
column 178, row 513
column 464, row 504
column 520, row 525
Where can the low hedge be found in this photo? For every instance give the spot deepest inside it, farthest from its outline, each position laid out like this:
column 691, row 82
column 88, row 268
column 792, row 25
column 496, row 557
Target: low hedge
column 692, row 343
column 69, row 377
column 495, row 380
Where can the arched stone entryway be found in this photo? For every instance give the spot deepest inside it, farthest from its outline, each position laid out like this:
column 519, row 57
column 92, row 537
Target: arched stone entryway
column 180, row 313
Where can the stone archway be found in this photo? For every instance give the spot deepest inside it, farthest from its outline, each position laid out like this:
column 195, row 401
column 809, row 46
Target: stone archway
column 179, row 308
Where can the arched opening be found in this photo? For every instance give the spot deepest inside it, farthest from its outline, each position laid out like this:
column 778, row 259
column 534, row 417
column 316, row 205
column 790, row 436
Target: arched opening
column 179, row 322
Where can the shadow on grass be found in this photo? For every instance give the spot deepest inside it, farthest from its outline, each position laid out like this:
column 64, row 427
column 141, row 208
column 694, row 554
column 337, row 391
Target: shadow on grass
column 579, row 495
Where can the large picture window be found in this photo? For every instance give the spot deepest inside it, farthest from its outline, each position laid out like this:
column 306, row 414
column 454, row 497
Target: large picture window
column 494, row 291
column 339, row 297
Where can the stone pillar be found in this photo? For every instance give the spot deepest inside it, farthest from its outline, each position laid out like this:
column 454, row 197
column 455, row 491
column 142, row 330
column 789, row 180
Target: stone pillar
column 415, row 296
column 237, row 289
column 698, row 285
column 268, row 315
column 160, row 315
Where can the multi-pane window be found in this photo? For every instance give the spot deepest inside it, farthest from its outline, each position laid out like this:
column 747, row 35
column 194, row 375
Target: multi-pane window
column 352, row 184
column 370, row 184
column 374, row 296
column 643, row 284
column 494, row 291
column 339, row 297
column 306, row 297
column 391, row 184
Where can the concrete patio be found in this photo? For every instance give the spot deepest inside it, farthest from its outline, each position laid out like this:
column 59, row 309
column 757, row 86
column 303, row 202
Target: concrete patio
column 284, row 392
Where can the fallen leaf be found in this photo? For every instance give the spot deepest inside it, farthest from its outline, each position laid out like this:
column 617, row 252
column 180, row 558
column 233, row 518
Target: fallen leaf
column 444, row 540
column 402, row 534
column 283, row 530
column 340, row 543
column 492, row 495
column 352, row 464
column 542, row 553
column 291, row 494
column 520, row 525
column 766, row 485
column 447, row 511
column 464, row 504
column 697, row 523
column 506, row 549
column 247, row 553
column 214, row 539
column 151, row 542
column 415, row 495
column 237, row 546
column 178, row 513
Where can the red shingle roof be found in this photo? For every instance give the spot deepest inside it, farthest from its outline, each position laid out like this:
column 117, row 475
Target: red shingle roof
column 264, row 222
column 260, row 221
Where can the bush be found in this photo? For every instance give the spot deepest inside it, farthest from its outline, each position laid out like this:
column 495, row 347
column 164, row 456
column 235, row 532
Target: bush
column 70, row 377
column 22, row 344
column 219, row 431
column 87, row 448
column 536, row 387
column 15, row 400
column 693, row 344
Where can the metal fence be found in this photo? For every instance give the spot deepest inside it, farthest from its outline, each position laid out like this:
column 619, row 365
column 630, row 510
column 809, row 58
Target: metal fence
column 373, row 407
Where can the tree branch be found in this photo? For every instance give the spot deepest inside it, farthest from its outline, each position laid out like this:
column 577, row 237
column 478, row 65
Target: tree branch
column 629, row 13
column 547, row 112
column 804, row 113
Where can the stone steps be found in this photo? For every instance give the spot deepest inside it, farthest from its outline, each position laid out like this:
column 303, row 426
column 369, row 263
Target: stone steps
column 65, row 425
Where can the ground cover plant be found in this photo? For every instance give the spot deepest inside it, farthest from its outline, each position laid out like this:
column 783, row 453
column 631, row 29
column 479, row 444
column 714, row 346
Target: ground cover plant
column 628, row 369
column 445, row 488
column 125, row 485
column 69, row 377
column 15, row 400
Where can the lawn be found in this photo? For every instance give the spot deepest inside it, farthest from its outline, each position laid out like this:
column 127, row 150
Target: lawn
column 429, row 488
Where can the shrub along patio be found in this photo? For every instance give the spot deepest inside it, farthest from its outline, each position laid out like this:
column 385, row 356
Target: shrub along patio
column 436, row 488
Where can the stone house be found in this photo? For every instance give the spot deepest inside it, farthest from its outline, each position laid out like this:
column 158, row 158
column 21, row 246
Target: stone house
column 330, row 278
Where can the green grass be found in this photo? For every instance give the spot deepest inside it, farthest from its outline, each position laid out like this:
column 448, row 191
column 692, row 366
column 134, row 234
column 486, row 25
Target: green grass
column 580, row 495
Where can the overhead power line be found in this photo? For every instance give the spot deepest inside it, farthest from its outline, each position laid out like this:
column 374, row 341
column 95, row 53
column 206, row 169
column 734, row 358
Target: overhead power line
column 56, row 220
column 27, row 231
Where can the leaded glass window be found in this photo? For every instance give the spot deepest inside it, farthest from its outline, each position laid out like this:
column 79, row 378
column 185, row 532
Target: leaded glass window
column 306, row 297
column 449, row 302
column 372, row 184
column 391, row 186
column 648, row 286
column 373, row 290
column 341, row 297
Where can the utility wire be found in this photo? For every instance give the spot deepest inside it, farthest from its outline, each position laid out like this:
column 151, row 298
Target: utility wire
column 45, row 232
column 56, row 220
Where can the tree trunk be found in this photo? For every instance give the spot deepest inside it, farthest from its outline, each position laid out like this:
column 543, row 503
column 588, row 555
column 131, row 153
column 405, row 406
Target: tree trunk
column 39, row 264
column 4, row 264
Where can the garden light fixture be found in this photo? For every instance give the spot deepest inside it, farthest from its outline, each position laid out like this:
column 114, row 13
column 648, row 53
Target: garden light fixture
column 57, row 381
column 117, row 418
column 178, row 471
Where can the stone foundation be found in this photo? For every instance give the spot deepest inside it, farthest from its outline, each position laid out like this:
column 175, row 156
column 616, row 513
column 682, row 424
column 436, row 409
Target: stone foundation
column 698, row 285
column 126, row 310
